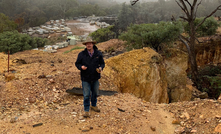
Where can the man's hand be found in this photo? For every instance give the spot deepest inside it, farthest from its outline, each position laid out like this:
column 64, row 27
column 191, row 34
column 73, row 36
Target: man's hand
column 99, row 70
column 83, row 67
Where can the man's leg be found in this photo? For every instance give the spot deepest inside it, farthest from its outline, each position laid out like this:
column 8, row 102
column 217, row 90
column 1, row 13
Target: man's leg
column 94, row 90
column 86, row 92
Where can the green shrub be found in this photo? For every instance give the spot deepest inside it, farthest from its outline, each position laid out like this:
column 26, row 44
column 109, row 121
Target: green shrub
column 15, row 42
column 103, row 34
column 151, row 35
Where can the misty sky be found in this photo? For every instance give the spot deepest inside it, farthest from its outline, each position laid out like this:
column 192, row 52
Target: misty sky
column 121, row 1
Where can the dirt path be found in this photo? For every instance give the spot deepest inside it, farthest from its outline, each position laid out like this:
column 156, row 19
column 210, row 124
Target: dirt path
column 139, row 117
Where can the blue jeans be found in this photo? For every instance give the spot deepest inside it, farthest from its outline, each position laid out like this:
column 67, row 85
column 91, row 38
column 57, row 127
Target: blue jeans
column 90, row 88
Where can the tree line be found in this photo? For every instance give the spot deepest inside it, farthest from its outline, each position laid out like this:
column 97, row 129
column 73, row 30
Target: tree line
column 29, row 13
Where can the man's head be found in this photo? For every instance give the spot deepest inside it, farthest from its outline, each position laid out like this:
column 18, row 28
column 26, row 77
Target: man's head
column 89, row 43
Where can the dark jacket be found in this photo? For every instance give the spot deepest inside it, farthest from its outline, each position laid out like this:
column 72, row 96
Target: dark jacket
column 96, row 61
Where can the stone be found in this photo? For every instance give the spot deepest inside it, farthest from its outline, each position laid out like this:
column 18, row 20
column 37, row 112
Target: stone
column 203, row 95
column 153, row 128
column 175, row 121
column 186, row 115
column 13, row 120
column 193, row 131
column 179, row 130
column 51, row 81
column 9, row 76
column 145, row 79
column 218, row 128
column 31, row 100
column 218, row 117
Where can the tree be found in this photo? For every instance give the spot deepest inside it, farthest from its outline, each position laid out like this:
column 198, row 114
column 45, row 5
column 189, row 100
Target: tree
column 189, row 8
column 65, row 5
column 151, row 35
column 6, row 24
column 125, row 17
column 190, row 12
column 208, row 28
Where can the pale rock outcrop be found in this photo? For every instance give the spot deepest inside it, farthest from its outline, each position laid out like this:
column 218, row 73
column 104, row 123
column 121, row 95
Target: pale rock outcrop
column 140, row 72
column 176, row 66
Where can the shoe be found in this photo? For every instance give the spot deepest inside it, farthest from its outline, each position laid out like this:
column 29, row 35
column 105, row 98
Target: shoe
column 86, row 114
column 96, row 109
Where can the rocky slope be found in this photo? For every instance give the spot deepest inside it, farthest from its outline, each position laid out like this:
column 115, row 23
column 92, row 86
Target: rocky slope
column 34, row 100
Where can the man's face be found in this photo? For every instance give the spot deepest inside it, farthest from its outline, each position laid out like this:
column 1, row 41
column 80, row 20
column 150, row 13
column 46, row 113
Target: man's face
column 89, row 46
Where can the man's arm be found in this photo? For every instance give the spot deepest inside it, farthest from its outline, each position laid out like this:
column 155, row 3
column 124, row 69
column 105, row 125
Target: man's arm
column 101, row 62
column 78, row 62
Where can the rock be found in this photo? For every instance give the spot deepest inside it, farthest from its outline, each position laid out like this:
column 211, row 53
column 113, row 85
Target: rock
column 81, row 118
column 48, row 76
column 41, row 76
column 51, row 81
column 31, row 100
column 193, row 131
column 196, row 99
column 13, row 120
column 182, row 123
column 74, row 113
column 39, row 124
column 203, row 95
column 9, row 76
column 153, row 128
column 145, row 79
column 179, row 130
column 218, row 128
column 186, row 115
column 175, row 121
column 176, row 66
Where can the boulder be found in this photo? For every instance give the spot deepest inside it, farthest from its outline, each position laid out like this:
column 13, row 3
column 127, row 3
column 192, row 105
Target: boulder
column 140, row 72
column 176, row 65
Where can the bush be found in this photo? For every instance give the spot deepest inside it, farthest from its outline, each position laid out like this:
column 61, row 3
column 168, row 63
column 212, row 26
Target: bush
column 15, row 42
column 210, row 80
column 151, row 35
column 103, row 34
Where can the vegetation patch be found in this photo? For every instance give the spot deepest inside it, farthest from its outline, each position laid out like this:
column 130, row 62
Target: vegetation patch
column 210, row 80
column 73, row 49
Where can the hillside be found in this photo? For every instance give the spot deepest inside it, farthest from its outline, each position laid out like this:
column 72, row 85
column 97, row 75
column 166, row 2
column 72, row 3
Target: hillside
column 37, row 95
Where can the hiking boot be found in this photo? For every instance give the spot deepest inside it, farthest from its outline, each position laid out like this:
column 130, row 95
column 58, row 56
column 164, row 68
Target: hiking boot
column 86, row 114
column 96, row 109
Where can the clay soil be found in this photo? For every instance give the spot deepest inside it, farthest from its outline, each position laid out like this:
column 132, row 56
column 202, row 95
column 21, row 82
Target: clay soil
column 34, row 101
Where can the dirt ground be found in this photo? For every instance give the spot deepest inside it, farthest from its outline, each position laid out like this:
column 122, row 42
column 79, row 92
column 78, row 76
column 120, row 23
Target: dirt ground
column 33, row 100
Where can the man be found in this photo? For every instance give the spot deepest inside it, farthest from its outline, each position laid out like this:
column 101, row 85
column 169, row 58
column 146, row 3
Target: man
column 91, row 63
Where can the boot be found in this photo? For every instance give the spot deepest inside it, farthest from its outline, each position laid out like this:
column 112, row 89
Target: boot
column 86, row 114
column 96, row 109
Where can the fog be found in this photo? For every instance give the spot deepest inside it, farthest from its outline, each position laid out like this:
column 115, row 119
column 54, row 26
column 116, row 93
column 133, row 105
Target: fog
column 128, row 1
column 36, row 12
